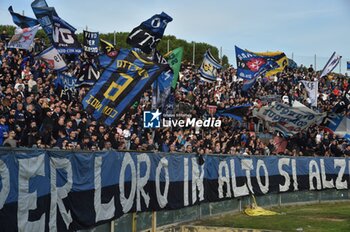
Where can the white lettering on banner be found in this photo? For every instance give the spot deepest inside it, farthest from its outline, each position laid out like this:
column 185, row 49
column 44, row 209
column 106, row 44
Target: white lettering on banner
column 104, row 211
column 127, row 202
column 341, row 163
column 237, row 190
column 142, row 181
column 162, row 198
column 281, row 163
column 294, row 172
column 325, row 183
column 264, row 188
column 224, row 179
column 55, row 181
column 59, row 193
column 186, row 200
column 27, row 201
column 247, row 165
column 313, row 165
column 64, row 33
column 197, row 181
column 5, row 182
column 146, row 37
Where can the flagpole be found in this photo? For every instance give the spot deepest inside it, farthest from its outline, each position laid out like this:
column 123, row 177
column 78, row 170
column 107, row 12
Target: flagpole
column 221, row 55
column 340, row 65
column 315, row 62
column 168, row 46
column 194, row 53
column 114, row 39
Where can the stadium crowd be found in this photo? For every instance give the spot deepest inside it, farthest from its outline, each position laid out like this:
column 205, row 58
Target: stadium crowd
column 33, row 115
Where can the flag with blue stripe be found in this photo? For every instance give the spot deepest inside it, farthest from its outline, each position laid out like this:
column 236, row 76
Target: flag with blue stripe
column 210, row 68
column 64, row 39
column 270, row 65
column 21, row 20
column 44, row 15
column 124, row 79
column 65, row 86
column 235, row 112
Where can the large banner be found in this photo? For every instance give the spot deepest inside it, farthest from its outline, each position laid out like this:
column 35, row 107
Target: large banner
column 57, row 191
column 289, row 120
column 124, row 79
column 64, row 39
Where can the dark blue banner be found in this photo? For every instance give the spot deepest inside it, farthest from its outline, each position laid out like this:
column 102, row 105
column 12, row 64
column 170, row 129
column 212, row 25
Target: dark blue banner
column 64, row 39
column 65, row 86
column 91, row 41
column 44, row 15
column 123, row 80
column 60, row 191
column 21, row 20
column 248, row 63
column 149, row 33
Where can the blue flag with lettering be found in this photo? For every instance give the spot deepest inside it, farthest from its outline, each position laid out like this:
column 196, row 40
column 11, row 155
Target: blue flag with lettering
column 44, row 15
column 124, row 79
column 148, row 34
column 65, row 86
column 63, row 37
column 248, row 63
column 21, row 20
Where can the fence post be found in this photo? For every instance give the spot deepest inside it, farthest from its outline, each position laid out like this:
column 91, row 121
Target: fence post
column 279, row 200
column 112, row 226
column 154, row 221
column 134, row 222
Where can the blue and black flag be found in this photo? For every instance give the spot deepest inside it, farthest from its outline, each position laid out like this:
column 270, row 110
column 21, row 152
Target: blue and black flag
column 22, row 21
column 63, row 37
column 235, row 112
column 44, row 15
column 149, row 33
column 65, row 87
column 124, row 79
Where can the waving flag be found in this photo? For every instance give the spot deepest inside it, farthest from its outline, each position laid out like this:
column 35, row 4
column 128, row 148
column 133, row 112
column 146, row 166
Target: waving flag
column 65, row 86
column 148, row 34
column 44, row 15
column 23, row 38
column 312, row 90
column 270, row 65
column 235, row 112
column 108, row 48
column 279, row 57
column 22, row 21
column 125, row 78
column 210, row 68
column 338, row 124
column 248, row 63
column 331, row 64
column 64, row 39
column 88, row 75
column 53, row 59
column 162, row 84
column 91, row 41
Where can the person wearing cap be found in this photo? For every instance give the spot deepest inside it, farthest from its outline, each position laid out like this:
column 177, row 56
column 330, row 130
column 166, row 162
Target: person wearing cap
column 4, row 130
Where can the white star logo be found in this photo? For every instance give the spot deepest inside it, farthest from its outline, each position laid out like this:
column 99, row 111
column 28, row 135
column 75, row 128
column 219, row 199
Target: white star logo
column 155, row 115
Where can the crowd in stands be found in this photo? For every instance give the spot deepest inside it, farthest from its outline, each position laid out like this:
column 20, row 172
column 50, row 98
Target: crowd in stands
column 33, row 115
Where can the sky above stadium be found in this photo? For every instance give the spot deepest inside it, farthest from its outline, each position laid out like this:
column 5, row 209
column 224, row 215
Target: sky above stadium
column 302, row 29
